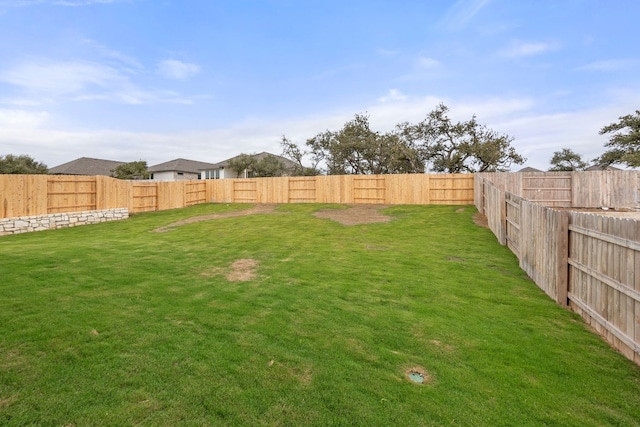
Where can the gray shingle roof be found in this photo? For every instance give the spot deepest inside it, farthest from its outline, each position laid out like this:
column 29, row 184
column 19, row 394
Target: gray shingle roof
column 86, row 166
column 529, row 169
column 181, row 165
column 602, row 167
column 288, row 163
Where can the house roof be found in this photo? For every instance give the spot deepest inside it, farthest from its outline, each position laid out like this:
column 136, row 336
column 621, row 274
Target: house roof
column 86, row 166
column 529, row 169
column 181, row 165
column 602, row 168
column 220, row 165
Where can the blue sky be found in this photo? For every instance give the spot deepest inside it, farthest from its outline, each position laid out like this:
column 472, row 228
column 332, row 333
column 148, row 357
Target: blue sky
column 205, row 80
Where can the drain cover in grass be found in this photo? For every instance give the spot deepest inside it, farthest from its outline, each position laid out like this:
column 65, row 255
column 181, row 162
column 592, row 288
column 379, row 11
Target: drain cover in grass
column 417, row 375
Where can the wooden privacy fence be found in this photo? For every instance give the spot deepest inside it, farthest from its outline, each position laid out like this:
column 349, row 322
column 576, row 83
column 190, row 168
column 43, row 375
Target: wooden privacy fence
column 24, row 195
column 567, row 189
column 588, row 262
column 377, row 189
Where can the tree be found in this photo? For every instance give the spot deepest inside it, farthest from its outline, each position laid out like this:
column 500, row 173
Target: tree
column 269, row 166
column 250, row 165
column 624, row 144
column 132, row 170
column 22, row 164
column 241, row 163
column 566, row 160
column 356, row 149
column 463, row 146
column 291, row 151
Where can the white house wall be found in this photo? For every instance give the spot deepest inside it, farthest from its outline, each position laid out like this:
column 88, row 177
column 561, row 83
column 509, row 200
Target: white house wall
column 174, row 176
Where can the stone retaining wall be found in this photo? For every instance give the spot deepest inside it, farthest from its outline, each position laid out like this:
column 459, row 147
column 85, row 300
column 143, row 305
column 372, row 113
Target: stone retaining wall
column 25, row 224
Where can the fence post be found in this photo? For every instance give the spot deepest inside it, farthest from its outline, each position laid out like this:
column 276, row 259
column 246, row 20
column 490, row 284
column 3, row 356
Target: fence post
column 478, row 192
column 562, row 258
column 503, row 218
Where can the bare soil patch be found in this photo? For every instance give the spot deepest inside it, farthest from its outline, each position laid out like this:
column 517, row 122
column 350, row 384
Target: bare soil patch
column 260, row 209
column 243, row 270
column 7, row 401
column 355, row 214
column 481, row 220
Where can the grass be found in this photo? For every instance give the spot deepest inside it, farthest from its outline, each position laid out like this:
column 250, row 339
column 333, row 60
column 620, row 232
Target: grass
column 114, row 324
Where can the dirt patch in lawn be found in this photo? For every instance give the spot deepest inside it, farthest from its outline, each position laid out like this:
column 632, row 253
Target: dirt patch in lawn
column 242, row 270
column 7, row 401
column 260, row 209
column 481, row 220
column 355, row 214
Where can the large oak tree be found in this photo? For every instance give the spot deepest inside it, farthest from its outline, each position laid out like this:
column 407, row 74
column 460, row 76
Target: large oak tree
column 451, row 147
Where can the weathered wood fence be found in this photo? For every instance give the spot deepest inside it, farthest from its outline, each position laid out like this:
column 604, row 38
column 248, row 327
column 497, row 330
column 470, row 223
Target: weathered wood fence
column 588, row 262
column 23, row 195
column 568, row 189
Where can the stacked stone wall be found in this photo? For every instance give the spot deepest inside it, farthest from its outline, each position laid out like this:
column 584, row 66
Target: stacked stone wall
column 26, row 224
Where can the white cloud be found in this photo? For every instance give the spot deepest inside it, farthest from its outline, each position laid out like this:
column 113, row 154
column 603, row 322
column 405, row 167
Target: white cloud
column 174, row 69
column 122, row 61
column 610, row 65
column 461, row 13
column 428, row 63
column 83, row 81
column 82, row 2
column 391, row 111
column 12, row 118
column 393, row 95
column 24, row 3
column 64, row 77
column 519, row 49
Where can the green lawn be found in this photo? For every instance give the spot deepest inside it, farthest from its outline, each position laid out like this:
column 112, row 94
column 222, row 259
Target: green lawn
column 114, row 324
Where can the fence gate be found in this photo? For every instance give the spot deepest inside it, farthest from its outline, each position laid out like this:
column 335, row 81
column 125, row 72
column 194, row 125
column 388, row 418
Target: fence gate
column 302, row 190
column 245, row 191
column 195, row 193
column 71, row 195
column 548, row 190
column 369, row 189
column 445, row 188
column 145, row 197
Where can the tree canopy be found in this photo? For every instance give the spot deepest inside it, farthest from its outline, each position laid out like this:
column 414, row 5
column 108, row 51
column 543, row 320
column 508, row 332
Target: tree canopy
column 436, row 141
column 291, row 151
column 268, row 166
column 22, row 164
column 132, row 170
column 566, row 160
column 356, row 149
column 624, row 143
column 463, row 146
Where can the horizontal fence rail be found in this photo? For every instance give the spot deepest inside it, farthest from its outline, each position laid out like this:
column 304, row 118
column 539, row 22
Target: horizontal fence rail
column 588, row 262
